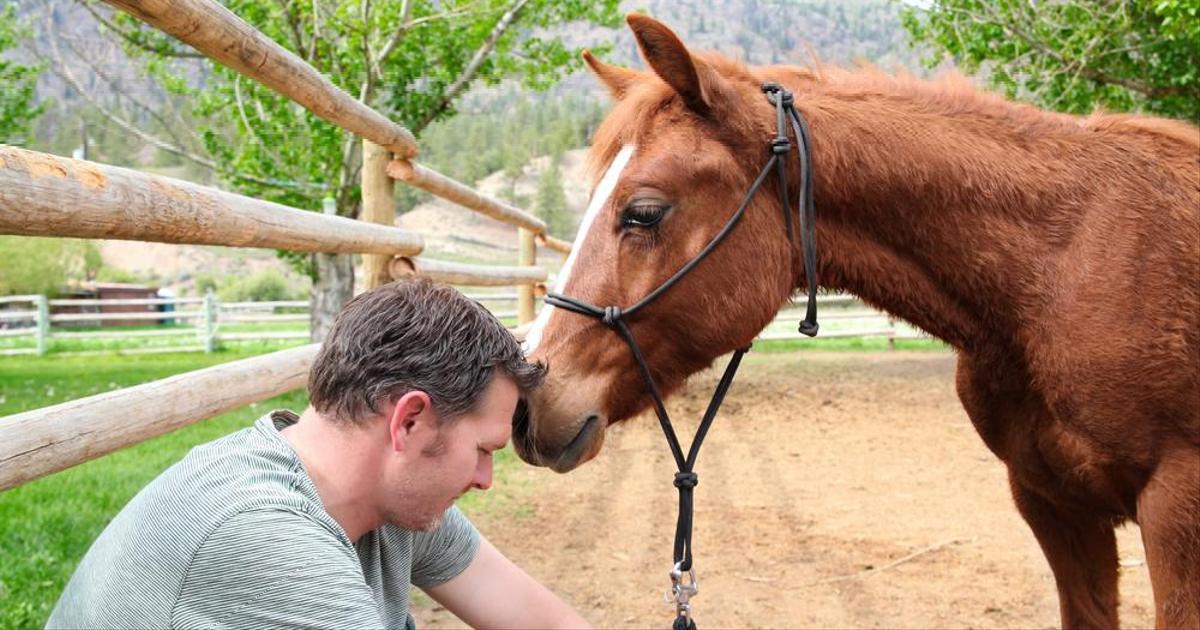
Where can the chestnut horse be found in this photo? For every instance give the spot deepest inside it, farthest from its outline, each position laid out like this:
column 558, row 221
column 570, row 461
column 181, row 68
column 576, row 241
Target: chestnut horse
column 1058, row 255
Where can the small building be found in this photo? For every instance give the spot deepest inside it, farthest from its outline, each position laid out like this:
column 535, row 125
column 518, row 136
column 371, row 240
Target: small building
column 109, row 291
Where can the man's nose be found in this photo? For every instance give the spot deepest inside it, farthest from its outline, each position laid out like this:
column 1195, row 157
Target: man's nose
column 483, row 474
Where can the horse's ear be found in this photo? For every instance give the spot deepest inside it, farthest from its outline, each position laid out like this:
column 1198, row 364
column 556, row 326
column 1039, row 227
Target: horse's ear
column 617, row 79
column 670, row 60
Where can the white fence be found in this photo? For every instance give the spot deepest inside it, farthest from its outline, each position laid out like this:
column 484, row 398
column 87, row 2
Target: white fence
column 840, row 316
column 200, row 324
column 193, row 324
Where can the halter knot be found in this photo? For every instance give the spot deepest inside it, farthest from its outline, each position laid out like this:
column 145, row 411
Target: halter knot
column 686, row 480
column 612, row 314
column 774, row 91
column 780, row 146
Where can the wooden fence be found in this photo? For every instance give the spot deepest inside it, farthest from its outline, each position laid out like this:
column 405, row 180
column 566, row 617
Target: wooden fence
column 46, row 195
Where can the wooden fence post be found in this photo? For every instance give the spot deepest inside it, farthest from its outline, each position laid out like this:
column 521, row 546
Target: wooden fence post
column 210, row 321
column 379, row 206
column 526, row 256
column 43, row 324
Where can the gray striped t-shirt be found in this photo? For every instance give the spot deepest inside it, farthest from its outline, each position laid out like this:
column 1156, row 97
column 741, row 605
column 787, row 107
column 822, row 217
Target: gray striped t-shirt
column 235, row 535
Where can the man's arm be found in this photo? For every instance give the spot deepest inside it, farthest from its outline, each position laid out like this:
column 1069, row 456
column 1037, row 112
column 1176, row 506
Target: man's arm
column 493, row 592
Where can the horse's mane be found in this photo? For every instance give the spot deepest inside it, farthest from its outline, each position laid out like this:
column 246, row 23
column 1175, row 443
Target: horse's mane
column 951, row 94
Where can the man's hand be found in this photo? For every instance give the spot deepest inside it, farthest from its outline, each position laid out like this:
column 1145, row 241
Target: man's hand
column 495, row 593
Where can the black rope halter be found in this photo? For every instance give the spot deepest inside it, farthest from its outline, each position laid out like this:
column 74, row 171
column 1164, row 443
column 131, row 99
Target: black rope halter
column 615, row 317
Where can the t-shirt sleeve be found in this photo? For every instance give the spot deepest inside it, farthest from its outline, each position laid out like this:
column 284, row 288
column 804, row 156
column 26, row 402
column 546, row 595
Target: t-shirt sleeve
column 443, row 553
column 274, row 568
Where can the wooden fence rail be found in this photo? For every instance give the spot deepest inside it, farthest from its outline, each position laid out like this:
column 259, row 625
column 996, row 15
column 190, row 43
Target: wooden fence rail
column 10, row 299
column 463, row 195
column 127, row 302
column 47, row 195
column 226, row 38
column 462, row 273
column 36, row 443
column 149, row 316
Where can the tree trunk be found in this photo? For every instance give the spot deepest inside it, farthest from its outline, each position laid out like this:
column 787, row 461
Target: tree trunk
column 331, row 290
column 333, row 284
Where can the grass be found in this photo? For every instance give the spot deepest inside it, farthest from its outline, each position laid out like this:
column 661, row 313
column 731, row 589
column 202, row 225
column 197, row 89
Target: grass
column 49, row 524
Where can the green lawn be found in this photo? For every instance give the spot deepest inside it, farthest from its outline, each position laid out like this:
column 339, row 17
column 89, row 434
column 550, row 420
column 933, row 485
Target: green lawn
column 48, row 524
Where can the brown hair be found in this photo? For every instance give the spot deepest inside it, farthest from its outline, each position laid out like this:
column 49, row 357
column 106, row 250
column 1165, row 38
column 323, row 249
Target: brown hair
column 413, row 335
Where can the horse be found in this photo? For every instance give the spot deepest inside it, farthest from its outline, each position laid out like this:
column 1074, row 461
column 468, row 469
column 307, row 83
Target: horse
column 1058, row 255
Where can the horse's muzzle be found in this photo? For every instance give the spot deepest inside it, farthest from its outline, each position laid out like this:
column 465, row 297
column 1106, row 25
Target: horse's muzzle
column 559, row 458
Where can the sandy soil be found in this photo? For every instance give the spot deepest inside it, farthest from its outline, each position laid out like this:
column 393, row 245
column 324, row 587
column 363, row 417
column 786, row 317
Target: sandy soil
column 822, row 470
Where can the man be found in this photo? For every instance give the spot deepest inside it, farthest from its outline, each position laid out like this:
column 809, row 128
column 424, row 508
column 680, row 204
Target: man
column 323, row 520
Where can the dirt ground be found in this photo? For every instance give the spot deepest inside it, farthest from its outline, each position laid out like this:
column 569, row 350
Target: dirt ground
column 821, row 473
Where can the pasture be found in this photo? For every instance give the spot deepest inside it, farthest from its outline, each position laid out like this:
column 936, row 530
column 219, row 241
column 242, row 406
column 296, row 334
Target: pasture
column 838, row 489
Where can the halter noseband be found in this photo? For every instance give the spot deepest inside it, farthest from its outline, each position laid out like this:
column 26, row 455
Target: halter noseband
column 614, row 317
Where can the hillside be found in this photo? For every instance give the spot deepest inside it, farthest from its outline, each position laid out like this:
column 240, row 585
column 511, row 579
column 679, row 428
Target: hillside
column 500, row 140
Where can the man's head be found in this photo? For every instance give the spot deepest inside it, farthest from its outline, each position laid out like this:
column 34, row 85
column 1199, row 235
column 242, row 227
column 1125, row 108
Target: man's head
column 435, row 378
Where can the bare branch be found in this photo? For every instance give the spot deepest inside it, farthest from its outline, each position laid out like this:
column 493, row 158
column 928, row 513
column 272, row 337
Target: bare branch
column 127, row 94
column 61, row 69
column 293, row 25
column 468, row 74
column 237, row 93
column 371, row 70
column 405, row 12
column 129, row 37
column 407, row 25
column 1013, row 30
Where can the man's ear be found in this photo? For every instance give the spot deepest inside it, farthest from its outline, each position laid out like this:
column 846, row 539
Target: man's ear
column 618, row 80
column 671, row 61
column 412, row 414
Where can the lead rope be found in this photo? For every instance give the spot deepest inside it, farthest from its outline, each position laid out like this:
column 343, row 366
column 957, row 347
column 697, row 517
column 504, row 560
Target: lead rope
column 682, row 590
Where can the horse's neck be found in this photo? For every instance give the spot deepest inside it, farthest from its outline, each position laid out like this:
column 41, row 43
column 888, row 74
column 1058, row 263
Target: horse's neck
column 942, row 220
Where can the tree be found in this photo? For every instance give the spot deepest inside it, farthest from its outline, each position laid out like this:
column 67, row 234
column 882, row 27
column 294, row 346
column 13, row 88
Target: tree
column 17, row 83
column 1075, row 56
column 552, row 201
column 409, row 59
column 30, row 265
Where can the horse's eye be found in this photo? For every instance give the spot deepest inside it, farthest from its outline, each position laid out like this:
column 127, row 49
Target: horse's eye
column 643, row 214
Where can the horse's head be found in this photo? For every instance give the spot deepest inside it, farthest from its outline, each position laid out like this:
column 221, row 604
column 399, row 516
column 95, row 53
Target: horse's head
column 671, row 163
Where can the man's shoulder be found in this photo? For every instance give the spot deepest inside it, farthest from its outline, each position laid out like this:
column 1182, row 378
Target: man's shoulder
column 240, row 472
column 137, row 566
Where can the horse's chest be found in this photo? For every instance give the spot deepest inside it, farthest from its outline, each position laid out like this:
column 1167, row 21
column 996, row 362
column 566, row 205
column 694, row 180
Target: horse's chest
column 1043, row 452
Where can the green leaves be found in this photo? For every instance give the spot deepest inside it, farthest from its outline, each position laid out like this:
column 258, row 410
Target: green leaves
column 1119, row 55
column 409, row 59
column 17, row 83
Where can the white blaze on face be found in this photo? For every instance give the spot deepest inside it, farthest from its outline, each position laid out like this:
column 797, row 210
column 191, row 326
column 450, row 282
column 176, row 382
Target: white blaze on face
column 599, row 199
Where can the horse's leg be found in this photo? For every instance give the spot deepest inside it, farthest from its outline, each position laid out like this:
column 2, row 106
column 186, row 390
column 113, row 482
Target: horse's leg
column 1082, row 551
column 1169, row 516
column 1080, row 547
